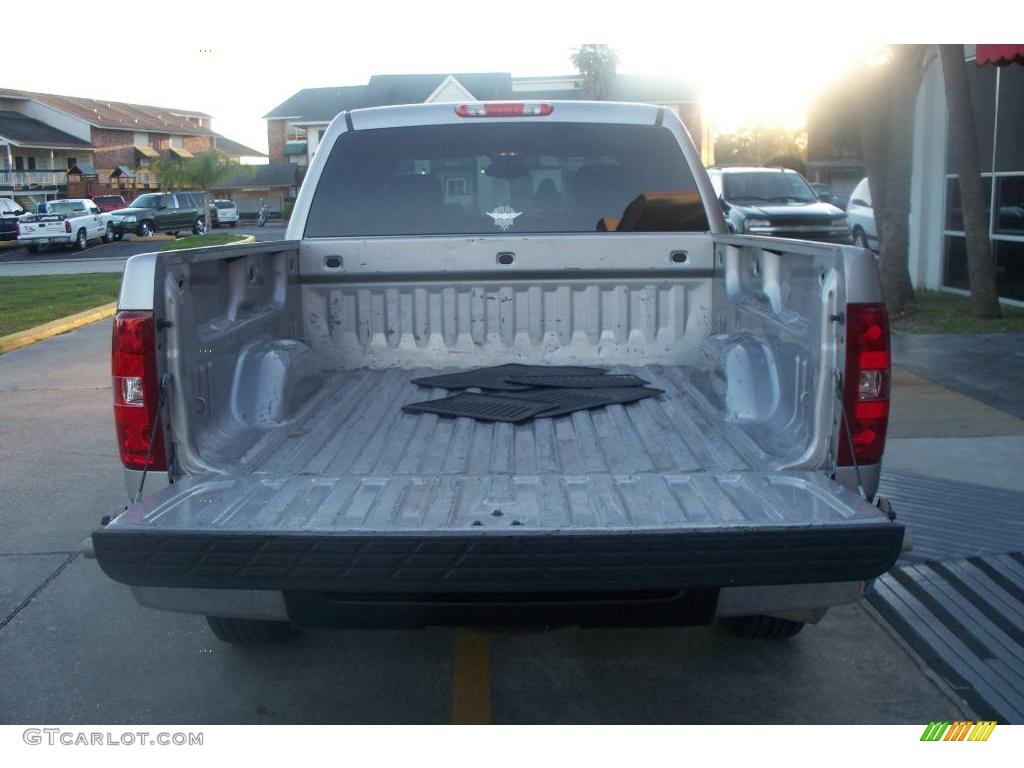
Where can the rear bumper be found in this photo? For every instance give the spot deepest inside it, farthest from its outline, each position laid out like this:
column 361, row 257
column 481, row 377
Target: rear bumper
column 679, row 608
column 56, row 239
column 488, row 563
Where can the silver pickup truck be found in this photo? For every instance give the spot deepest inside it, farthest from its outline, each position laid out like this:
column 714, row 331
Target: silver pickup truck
column 276, row 481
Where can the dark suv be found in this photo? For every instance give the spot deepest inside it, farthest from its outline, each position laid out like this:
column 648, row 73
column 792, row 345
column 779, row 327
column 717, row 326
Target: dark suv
column 9, row 213
column 172, row 212
column 777, row 202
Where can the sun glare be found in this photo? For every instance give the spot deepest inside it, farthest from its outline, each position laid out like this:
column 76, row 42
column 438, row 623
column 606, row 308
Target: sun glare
column 770, row 82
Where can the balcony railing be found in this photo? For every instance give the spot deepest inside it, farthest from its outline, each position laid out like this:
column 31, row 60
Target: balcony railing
column 32, row 179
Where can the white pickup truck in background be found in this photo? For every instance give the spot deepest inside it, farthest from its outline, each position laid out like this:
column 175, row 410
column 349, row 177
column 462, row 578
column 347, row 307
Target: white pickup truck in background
column 275, row 479
column 66, row 222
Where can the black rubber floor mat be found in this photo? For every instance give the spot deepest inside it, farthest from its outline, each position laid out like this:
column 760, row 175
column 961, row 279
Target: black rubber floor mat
column 480, row 407
column 577, row 381
column 496, row 377
column 565, row 401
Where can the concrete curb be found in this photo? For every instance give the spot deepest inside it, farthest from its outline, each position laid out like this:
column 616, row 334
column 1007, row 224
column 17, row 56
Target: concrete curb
column 55, row 327
column 246, row 239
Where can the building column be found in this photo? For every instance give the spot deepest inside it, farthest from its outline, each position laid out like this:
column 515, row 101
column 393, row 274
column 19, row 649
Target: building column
column 928, row 177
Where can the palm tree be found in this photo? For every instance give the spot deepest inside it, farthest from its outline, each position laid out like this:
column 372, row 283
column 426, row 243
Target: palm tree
column 981, row 269
column 886, row 115
column 206, row 171
column 597, row 63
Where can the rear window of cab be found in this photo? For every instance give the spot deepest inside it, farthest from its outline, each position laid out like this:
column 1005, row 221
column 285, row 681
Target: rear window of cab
column 503, row 178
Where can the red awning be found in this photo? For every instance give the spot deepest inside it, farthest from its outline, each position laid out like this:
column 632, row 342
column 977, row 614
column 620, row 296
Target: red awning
column 1000, row 54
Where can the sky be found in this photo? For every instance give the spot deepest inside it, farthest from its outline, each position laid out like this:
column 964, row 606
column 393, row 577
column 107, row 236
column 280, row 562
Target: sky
column 237, row 61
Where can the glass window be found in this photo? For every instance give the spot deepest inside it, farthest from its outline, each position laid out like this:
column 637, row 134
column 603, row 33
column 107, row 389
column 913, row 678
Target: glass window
column 1009, row 257
column 152, row 200
column 66, row 207
column 494, row 177
column 767, row 187
column 954, row 210
column 1010, row 205
column 296, row 133
column 955, row 262
column 1010, row 138
column 982, row 83
column 861, row 194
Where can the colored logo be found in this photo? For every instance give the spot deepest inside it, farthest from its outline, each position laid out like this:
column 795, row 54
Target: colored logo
column 961, row 730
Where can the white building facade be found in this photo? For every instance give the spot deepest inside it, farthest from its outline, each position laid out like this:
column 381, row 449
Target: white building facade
column 938, row 257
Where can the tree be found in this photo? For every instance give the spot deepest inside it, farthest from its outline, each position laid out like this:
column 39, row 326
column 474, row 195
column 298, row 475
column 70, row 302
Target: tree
column 205, row 172
column 981, row 270
column 171, row 173
column 887, row 99
column 757, row 143
column 597, row 63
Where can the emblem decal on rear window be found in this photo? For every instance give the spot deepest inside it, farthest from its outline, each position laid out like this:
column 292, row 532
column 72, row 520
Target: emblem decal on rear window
column 504, row 217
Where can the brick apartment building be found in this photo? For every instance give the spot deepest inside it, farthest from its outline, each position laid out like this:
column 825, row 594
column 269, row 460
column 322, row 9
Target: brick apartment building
column 105, row 145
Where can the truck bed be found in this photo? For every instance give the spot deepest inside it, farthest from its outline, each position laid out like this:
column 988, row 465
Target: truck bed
column 356, row 427
column 354, row 492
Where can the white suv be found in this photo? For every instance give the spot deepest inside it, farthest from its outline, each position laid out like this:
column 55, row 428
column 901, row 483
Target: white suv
column 224, row 212
column 862, row 216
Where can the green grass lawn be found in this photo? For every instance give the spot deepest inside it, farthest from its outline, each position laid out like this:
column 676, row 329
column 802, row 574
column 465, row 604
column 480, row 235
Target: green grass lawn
column 934, row 312
column 29, row 301
column 199, row 241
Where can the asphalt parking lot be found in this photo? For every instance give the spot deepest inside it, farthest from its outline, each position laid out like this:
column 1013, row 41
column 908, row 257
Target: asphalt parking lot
column 100, row 256
column 75, row 648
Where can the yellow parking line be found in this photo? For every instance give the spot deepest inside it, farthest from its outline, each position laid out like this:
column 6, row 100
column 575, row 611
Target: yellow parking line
column 471, row 686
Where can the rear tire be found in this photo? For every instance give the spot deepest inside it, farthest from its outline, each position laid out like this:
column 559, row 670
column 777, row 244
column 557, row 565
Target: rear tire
column 81, row 241
column 146, row 229
column 761, row 627
column 199, row 227
column 250, row 631
column 119, row 235
column 108, row 235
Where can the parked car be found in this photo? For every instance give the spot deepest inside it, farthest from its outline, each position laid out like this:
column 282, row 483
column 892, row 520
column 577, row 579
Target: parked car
column 224, row 212
column 66, row 222
column 109, row 203
column 171, row 212
column 9, row 213
column 777, row 202
column 862, row 216
column 267, row 381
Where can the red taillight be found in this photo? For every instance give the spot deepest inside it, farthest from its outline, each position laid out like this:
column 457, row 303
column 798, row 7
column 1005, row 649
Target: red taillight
column 866, row 384
column 17, row 228
column 67, row 226
column 505, row 109
column 136, row 390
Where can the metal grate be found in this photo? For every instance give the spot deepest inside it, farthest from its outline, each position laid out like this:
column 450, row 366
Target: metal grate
column 949, row 519
column 965, row 617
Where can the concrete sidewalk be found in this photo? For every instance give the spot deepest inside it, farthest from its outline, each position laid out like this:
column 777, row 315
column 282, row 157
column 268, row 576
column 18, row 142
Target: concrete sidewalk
column 957, row 403
column 938, row 432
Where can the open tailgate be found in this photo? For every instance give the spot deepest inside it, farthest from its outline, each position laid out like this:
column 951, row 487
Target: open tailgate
column 452, row 533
